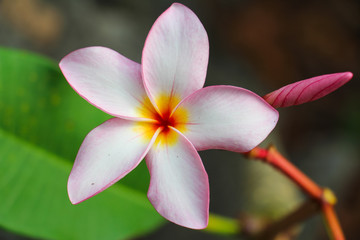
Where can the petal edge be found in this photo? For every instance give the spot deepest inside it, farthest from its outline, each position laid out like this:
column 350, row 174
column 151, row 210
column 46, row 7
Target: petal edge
column 107, row 80
column 175, row 56
column 179, row 186
column 107, row 154
column 227, row 117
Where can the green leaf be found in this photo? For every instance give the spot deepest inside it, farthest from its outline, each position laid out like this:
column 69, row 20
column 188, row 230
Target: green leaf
column 42, row 124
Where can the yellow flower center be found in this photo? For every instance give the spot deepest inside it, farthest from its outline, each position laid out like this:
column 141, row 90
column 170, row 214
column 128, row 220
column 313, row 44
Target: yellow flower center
column 165, row 120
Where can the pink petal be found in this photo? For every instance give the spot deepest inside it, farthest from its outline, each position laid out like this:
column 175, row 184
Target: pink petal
column 108, row 153
column 179, row 186
column 107, row 80
column 307, row 90
column 175, row 56
column 226, row 117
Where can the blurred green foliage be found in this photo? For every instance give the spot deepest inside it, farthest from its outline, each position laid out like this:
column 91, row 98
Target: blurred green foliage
column 42, row 124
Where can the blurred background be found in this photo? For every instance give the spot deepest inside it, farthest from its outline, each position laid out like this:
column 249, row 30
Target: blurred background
column 259, row 45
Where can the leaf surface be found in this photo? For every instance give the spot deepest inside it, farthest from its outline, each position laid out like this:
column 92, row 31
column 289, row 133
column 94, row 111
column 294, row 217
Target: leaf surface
column 42, row 124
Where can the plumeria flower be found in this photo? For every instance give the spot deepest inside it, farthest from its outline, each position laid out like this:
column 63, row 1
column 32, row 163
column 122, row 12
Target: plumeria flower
column 161, row 113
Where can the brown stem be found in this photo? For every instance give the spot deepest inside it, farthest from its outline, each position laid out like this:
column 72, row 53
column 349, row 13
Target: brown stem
column 303, row 212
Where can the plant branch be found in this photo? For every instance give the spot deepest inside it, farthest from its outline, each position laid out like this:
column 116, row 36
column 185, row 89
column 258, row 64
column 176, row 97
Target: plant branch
column 275, row 159
column 303, row 212
column 324, row 199
column 332, row 223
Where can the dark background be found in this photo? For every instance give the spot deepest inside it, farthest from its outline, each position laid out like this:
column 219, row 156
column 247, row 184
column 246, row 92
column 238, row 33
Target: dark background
column 259, row 45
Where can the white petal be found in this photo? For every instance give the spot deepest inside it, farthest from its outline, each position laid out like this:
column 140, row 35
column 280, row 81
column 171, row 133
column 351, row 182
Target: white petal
column 179, row 187
column 226, row 117
column 107, row 80
column 175, row 56
column 108, row 153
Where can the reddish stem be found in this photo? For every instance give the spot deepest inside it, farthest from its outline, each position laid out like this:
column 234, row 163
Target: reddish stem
column 332, row 222
column 275, row 159
column 304, row 182
column 324, row 197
